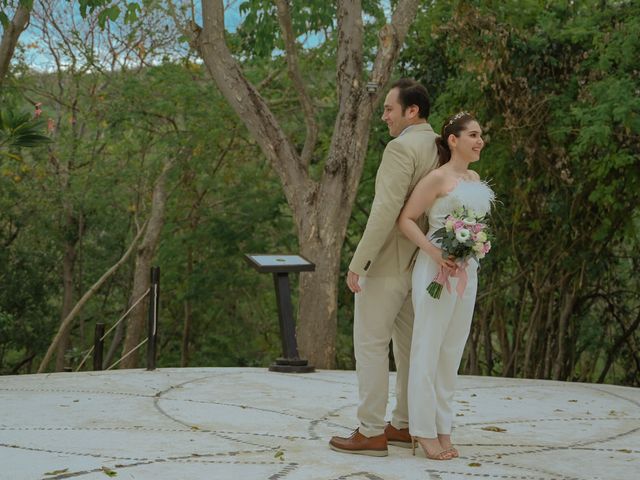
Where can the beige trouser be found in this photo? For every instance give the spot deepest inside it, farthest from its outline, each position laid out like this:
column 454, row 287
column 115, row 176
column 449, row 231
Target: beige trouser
column 440, row 332
column 383, row 312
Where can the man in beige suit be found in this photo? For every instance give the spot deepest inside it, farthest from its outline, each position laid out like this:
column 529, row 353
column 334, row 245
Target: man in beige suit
column 380, row 275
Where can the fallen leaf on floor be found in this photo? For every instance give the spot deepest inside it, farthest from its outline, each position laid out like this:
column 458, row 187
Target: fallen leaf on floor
column 57, row 472
column 108, row 472
column 494, row 429
column 558, row 410
column 462, row 401
column 279, row 455
column 507, row 398
column 194, row 427
column 475, row 464
column 574, row 401
column 474, row 395
column 459, row 414
column 624, row 450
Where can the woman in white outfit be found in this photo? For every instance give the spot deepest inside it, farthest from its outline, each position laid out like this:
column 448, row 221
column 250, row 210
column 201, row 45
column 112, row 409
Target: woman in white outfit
column 441, row 326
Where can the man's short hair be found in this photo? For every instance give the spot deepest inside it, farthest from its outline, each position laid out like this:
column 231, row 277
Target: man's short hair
column 411, row 93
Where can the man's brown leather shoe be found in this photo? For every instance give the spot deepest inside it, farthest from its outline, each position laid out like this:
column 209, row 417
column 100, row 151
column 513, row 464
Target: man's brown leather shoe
column 359, row 444
column 398, row 437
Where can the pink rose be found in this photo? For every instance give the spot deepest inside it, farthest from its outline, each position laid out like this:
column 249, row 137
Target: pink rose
column 487, row 247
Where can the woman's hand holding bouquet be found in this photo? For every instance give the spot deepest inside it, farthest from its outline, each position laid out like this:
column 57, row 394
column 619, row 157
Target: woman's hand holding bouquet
column 464, row 236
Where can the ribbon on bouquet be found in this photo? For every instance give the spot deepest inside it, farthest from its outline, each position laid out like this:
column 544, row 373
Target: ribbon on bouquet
column 444, row 273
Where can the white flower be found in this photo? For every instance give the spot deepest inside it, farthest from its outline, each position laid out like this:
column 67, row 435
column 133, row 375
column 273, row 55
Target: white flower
column 469, row 220
column 463, row 235
column 481, row 237
column 448, row 225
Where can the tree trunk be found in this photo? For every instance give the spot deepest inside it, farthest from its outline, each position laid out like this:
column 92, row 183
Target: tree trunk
column 488, row 347
column 68, row 267
column 569, row 304
column 547, row 348
column 317, row 312
column 186, row 329
column 141, row 277
column 10, row 39
column 320, row 209
column 531, row 335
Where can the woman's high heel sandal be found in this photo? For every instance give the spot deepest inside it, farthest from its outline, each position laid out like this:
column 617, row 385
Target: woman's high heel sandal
column 453, row 451
column 442, row 455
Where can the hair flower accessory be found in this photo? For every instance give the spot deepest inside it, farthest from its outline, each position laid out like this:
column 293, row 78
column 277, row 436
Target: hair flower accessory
column 457, row 116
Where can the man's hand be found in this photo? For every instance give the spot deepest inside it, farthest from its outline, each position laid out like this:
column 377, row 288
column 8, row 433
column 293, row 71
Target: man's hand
column 352, row 282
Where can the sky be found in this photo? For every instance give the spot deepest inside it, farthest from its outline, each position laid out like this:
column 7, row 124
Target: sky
column 40, row 58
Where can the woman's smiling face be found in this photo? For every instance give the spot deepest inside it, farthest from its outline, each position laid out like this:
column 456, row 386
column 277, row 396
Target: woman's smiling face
column 469, row 144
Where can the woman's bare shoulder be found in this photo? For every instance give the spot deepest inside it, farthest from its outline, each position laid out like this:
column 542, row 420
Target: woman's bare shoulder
column 434, row 181
column 437, row 175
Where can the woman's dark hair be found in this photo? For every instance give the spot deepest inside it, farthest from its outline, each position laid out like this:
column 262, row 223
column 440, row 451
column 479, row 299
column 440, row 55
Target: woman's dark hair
column 411, row 93
column 453, row 125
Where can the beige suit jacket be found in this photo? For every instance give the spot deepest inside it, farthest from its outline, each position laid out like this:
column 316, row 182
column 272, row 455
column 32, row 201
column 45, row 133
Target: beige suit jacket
column 384, row 250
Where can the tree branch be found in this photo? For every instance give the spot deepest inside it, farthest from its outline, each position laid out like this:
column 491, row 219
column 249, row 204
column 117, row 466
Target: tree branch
column 354, row 103
column 248, row 104
column 391, row 38
column 615, row 348
column 284, row 17
column 10, row 39
column 350, row 41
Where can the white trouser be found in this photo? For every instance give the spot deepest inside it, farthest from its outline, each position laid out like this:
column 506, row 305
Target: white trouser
column 383, row 312
column 440, row 331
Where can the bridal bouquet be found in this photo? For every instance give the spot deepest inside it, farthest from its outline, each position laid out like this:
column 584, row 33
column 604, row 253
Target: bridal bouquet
column 465, row 235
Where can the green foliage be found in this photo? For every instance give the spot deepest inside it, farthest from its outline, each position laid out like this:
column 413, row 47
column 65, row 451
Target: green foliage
column 555, row 89
column 19, row 130
column 4, row 20
column 554, row 86
column 313, row 22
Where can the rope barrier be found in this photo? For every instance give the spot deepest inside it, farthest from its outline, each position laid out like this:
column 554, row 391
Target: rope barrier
column 129, row 353
column 84, row 359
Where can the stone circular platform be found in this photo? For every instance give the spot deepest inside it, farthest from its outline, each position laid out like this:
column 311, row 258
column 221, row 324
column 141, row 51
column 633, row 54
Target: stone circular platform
column 251, row 424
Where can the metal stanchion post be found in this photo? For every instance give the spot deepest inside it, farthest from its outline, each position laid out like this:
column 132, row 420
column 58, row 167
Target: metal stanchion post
column 280, row 266
column 154, row 303
column 98, row 346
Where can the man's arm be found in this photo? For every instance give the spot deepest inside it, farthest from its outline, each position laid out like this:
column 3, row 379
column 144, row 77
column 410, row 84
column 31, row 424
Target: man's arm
column 392, row 185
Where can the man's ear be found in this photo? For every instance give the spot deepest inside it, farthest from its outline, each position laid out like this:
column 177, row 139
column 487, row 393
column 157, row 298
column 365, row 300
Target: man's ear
column 413, row 111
